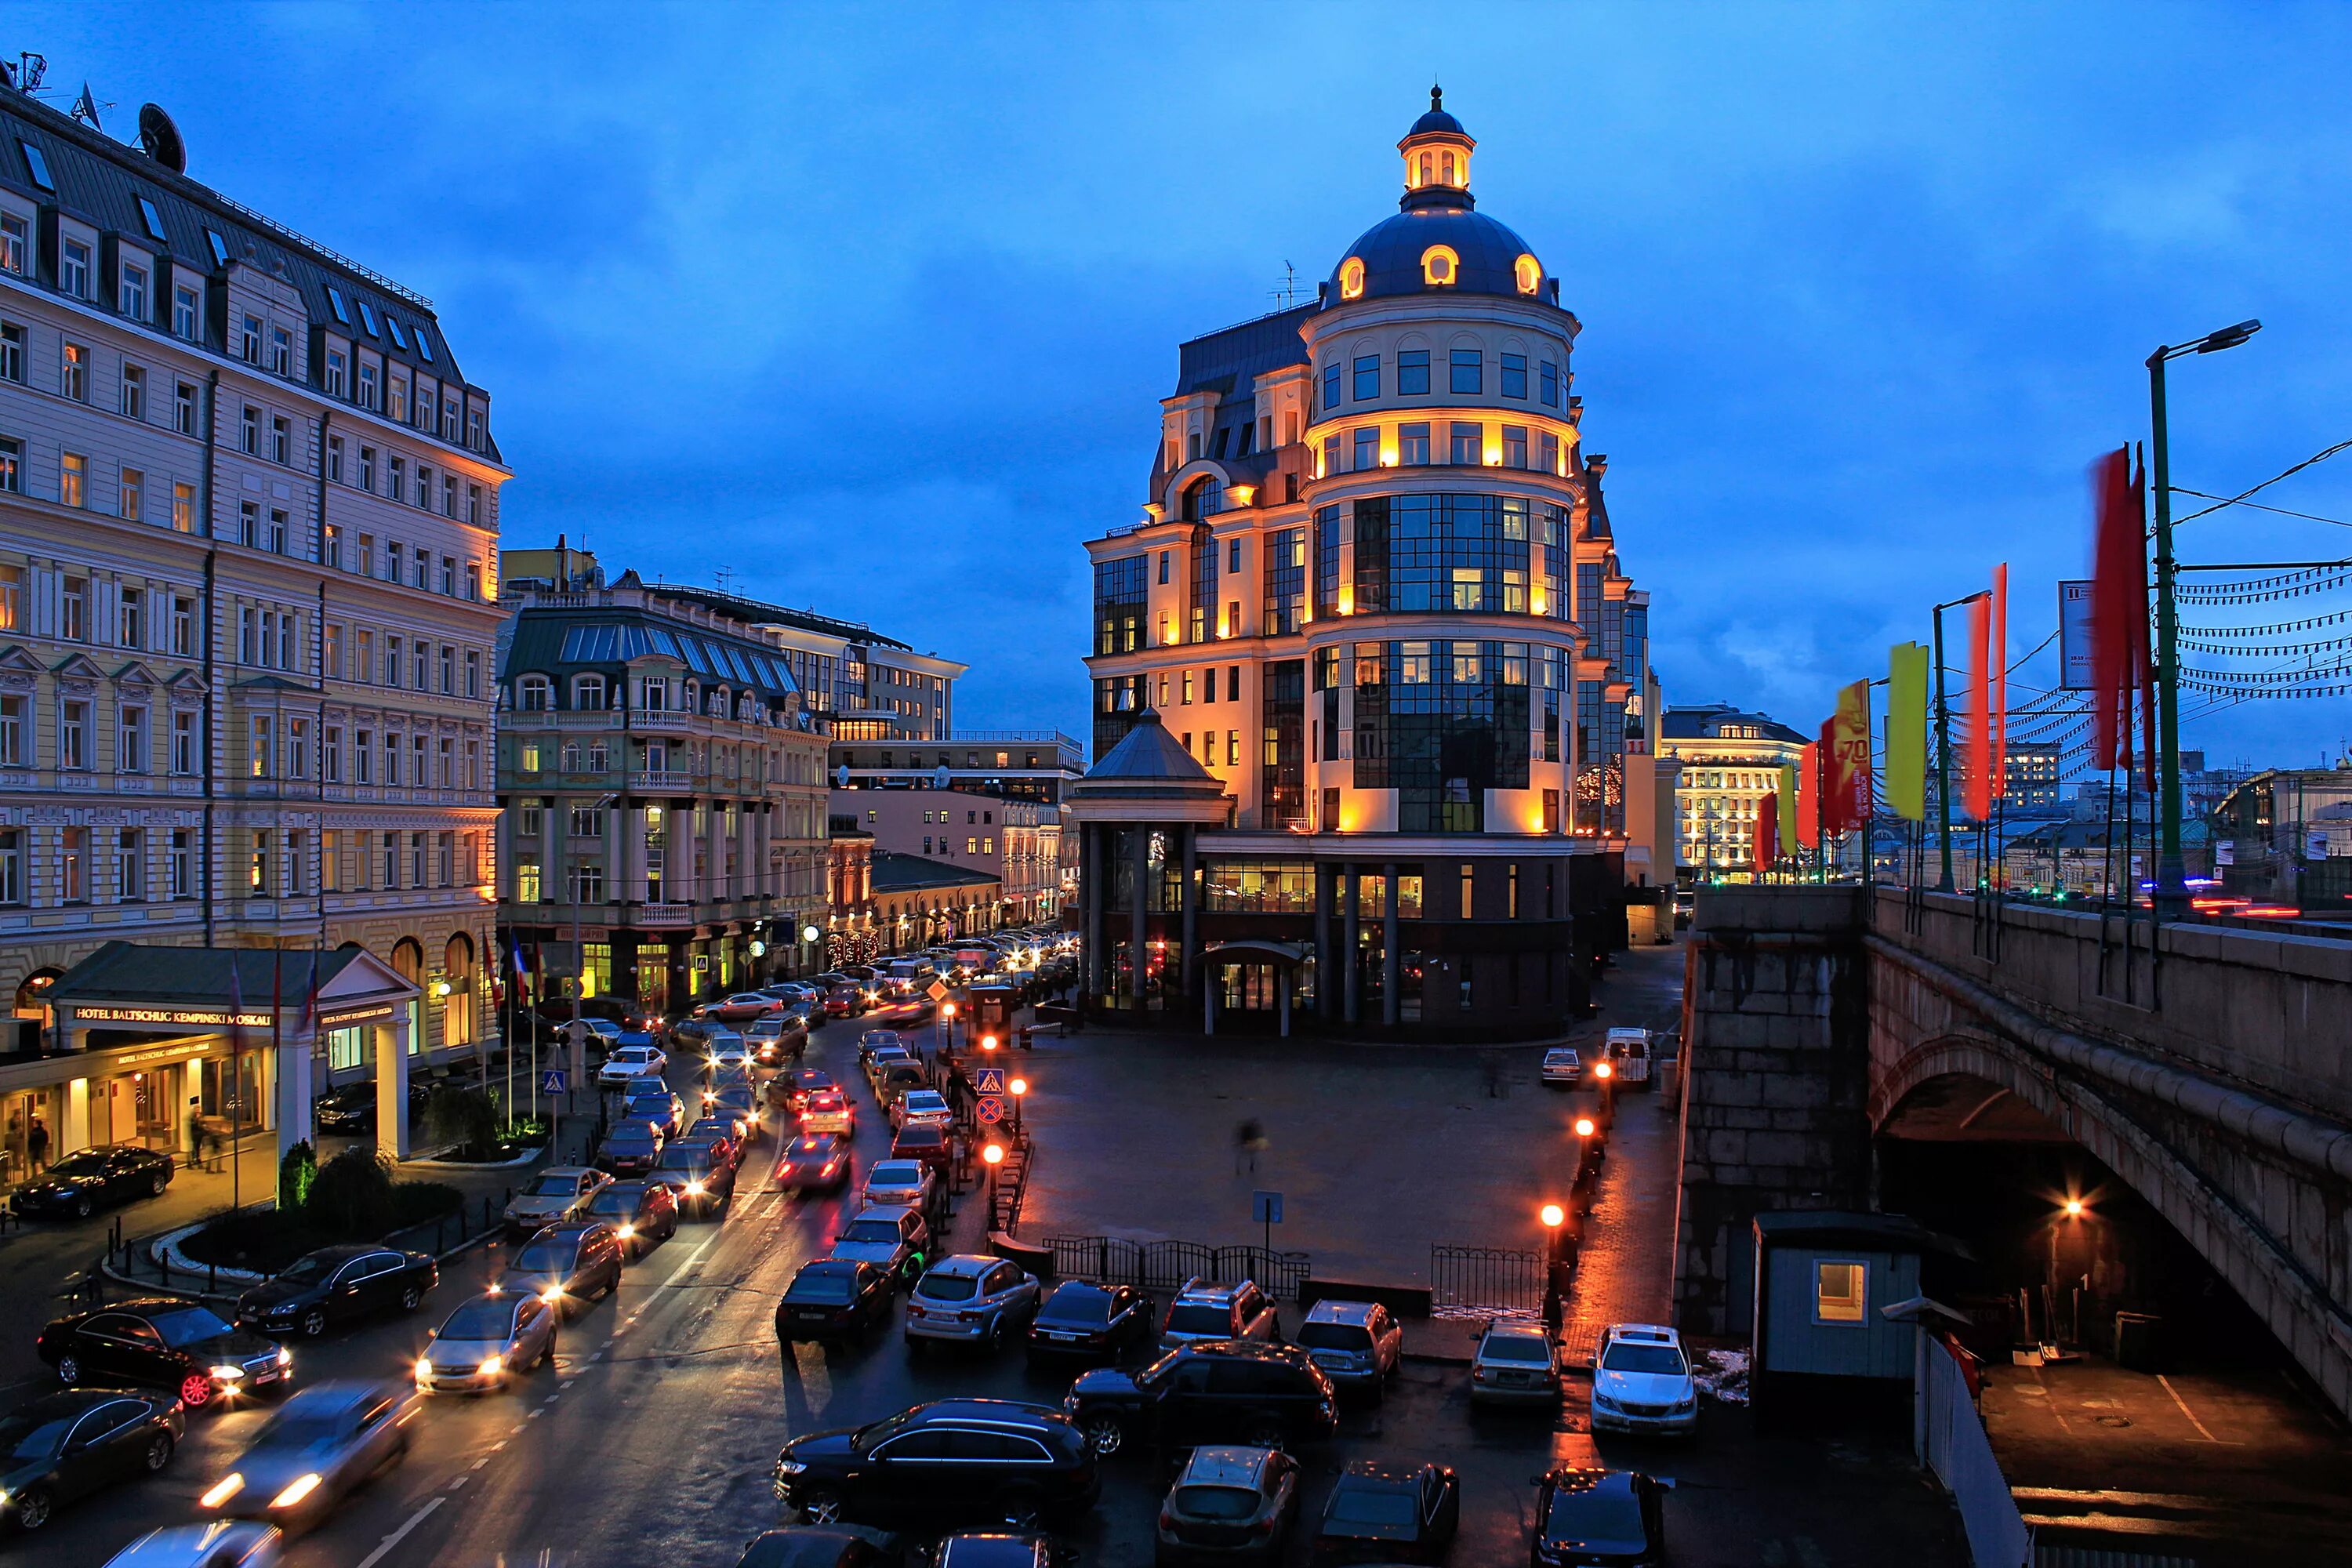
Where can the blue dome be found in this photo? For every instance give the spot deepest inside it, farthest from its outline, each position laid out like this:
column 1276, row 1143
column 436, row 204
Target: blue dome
column 1435, row 121
column 1391, row 252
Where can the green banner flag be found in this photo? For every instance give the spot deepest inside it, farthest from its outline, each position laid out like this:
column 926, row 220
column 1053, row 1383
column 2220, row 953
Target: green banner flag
column 1788, row 804
column 1907, row 731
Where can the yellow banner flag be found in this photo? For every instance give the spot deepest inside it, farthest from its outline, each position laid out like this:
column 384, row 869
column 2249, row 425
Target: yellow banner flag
column 1907, row 732
column 1788, row 808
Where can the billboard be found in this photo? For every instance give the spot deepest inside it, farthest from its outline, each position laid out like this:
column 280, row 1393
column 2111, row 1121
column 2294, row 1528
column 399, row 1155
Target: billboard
column 2074, row 636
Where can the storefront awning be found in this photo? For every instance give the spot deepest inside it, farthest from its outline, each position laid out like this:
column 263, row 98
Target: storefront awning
column 1251, row 950
column 130, row 986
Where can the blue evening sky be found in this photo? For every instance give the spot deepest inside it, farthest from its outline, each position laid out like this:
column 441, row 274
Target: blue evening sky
column 872, row 306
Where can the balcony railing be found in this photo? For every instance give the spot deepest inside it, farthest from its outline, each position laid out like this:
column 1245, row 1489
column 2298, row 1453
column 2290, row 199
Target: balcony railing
column 650, row 780
column 665, row 914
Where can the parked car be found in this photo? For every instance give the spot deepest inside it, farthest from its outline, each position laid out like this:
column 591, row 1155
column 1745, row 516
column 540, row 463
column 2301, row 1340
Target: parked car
column 627, row 1064
column 481, row 1345
column 163, row 1341
column 336, row 1284
column 741, row 1009
column 829, row 1111
column 1629, row 1057
column 558, row 1193
column 928, row 1144
column 68, row 1445
column 1359, row 1344
column 350, row 1111
column 738, row 1102
column 1228, row 1505
column 1203, row 1310
column 898, row 1079
column 813, row 1162
column 241, row 1543
column 1016, row 1464
column 1001, row 1549
column 1562, row 1067
column 728, row 1053
column 970, row 1300
column 1381, row 1511
column 320, row 1446
column 643, row 1214
column 630, row 1149
column 1514, row 1364
column 1266, row 1396
column 1642, row 1382
column 700, row 1181
column 1599, row 1516
column 847, row 1001
column 881, row 1058
column 88, row 1180
column 890, row 1236
column 873, row 1040
column 921, row 1108
column 908, row 1181
column 824, row 1546
column 719, row 1134
column 833, row 1298
column 653, row 1102
column 1098, row 1323
column 566, row 1266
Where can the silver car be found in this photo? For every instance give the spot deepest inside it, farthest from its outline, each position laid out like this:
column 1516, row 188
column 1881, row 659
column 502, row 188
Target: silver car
column 229, row 1544
column 1206, row 1311
column 322, row 1444
column 485, row 1341
column 1514, row 1364
column 970, row 1300
column 1357, row 1343
column 558, row 1193
column 908, row 1181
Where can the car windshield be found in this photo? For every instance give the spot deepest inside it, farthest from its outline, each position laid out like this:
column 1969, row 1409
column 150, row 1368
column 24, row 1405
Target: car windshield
column 927, row 1099
column 80, row 1166
column 1369, row 1505
column 1200, row 1317
column 634, row 1136
column 630, row 1056
column 685, row 1157
column 1592, row 1516
column 939, row 1286
column 308, row 1270
column 299, row 1426
column 188, row 1325
column 25, row 1436
column 553, row 1256
column 480, row 1320
column 827, row 1287
column 896, row 1173
column 1214, row 1502
column 622, row 1200
column 1514, row 1347
column 555, row 1187
column 1334, row 1337
column 1079, row 1304
column 872, row 1232
column 1663, row 1360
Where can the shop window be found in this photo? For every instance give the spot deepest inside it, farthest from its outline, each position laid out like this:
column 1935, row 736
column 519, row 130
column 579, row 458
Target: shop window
column 1841, row 1291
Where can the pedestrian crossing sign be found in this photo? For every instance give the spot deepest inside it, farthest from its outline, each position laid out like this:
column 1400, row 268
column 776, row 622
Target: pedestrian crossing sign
column 989, row 1081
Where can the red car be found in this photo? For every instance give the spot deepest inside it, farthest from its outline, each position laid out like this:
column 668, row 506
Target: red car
column 845, row 1000
column 928, row 1144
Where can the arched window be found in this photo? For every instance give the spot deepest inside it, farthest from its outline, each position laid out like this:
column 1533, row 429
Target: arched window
column 1529, row 272
column 33, row 996
column 408, row 963
column 535, row 694
column 1445, row 168
column 457, row 1006
column 1352, row 279
column 1440, row 267
column 1426, row 169
column 1205, row 497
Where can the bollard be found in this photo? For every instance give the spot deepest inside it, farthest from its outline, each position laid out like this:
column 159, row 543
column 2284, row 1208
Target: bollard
column 211, row 1279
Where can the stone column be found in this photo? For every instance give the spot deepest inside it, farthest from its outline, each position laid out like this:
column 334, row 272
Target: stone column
column 291, row 1060
column 1352, row 891
column 1094, row 872
column 1189, row 900
column 1391, row 965
column 1139, row 952
column 390, row 1040
column 1209, row 1003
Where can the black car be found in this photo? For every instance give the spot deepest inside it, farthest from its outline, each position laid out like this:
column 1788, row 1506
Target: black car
column 643, row 1214
column 69, row 1445
column 1217, row 1391
column 953, row 1461
column 1000, row 1550
column 824, row 1546
column 350, row 1111
column 81, row 1183
column 1386, row 1513
column 1098, row 1323
column 162, row 1341
column 815, row 1162
column 831, row 1299
column 700, row 1184
column 1599, row 1516
column 336, row 1284
column 630, row 1149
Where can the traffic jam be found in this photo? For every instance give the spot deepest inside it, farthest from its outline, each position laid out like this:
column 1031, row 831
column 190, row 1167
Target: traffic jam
column 1063, row 1416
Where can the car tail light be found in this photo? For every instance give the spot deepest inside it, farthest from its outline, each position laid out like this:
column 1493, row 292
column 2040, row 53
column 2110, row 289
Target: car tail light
column 1478, row 1374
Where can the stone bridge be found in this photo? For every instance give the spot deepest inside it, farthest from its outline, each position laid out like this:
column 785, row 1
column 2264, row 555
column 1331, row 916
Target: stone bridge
column 2211, row 1069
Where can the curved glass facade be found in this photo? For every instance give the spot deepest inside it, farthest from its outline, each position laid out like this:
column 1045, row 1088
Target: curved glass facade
column 1441, row 723
column 1450, row 554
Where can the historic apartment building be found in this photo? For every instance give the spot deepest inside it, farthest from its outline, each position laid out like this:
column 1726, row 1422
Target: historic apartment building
column 248, row 511
column 1376, row 598
column 1730, row 760
column 662, row 785
column 1018, row 842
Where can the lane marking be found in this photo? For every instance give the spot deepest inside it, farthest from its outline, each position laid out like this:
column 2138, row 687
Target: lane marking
column 567, row 1382
column 397, row 1536
column 2190, row 1414
column 460, row 1481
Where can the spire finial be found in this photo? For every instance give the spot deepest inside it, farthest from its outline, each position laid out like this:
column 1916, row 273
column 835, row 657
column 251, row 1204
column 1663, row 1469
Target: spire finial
column 1436, row 97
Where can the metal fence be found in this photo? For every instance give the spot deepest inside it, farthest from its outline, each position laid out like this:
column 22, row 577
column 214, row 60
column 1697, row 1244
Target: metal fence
column 1168, row 1264
column 1485, row 1281
column 1952, row 1441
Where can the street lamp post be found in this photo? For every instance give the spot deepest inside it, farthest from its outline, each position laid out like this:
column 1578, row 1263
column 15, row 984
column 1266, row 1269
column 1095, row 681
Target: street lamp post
column 1553, row 1217
column 2171, row 899
column 1020, row 1087
column 993, row 1156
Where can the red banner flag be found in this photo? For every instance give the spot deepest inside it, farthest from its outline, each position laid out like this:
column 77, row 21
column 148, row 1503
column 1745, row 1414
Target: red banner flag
column 1767, row 836
column 1999, row 670
column 1846, row 797
column 1979, row 799
column 2119, row 640
column 1809, row 796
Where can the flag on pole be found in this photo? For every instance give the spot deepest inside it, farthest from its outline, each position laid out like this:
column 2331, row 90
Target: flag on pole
column 2000, row 673
column 2119, row 640
column 1907, row 731
column 1979, row 799
column 1809, row 796
column 1767, row 836
column 1786, row 796
column 1847, row 801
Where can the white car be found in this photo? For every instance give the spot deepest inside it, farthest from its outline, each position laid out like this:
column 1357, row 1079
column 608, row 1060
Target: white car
column 1629, row 1055
column 1562, row 1065
column 728, row 1053
column 1642, row 1380
column 921, row 1108
column 906, row 1182
column 629, row 1063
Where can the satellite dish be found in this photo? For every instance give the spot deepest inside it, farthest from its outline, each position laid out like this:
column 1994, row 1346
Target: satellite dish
column 160, row 139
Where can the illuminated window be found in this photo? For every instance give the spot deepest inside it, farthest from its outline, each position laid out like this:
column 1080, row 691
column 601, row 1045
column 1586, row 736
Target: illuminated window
column 1439, row 266
column 1841, row 1291
column 1529, row 272
column 1352, row 279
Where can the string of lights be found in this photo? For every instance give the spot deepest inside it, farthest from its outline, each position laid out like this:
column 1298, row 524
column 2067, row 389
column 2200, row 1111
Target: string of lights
column 2311, row 623
column 2293, row 585
column 2267, row 650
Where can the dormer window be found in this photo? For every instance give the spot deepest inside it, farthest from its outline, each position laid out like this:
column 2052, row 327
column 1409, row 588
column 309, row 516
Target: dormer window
column 1352, row 279
column 588, row 692
column 1529, row 273
column 535, row 694
column 1439, row 266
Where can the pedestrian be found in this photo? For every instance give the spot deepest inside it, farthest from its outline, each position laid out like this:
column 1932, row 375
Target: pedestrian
column 1492, row 1071
column 1249, row 1142
column 196, row 1135
column 37, row 1145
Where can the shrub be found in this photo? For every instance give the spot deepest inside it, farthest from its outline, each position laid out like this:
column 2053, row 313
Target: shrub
column 413, row 1202
column 466, row 1117
column 351, row 1197
column 295, row 1173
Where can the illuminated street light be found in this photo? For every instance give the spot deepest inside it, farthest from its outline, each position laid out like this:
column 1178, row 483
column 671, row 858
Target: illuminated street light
column 2074, row 1208
column 1603, row 1071
column 993, row 1154
column 1584, row 1129
column 1020, row 1087
column 1554, row 1216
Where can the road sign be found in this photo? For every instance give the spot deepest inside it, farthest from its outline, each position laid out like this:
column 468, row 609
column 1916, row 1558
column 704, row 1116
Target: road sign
column 989, row 1081
column 552, row 1082
column 937, row 991
column 1265, row 1208
column 991, row 1109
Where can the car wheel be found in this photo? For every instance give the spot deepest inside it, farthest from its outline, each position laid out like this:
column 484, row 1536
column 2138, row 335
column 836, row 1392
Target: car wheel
column 33, row 1507
column 157, row 1183
column 1104, row 1436
column 69, row 1370
column 195, row 1391
column 83, row 1206
column 159, row 1452
column 819, row 1505
column 996, row 1334
column 412, row 1295
column 314, row 1323
column 1262, row 1432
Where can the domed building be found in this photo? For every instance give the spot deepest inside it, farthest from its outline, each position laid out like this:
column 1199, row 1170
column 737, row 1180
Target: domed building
column 1374, row 596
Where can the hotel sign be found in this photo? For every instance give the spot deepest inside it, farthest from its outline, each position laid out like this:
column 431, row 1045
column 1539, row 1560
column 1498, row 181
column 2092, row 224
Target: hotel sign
column 344, row 1016
column 161, row 1054
column 87, row 1014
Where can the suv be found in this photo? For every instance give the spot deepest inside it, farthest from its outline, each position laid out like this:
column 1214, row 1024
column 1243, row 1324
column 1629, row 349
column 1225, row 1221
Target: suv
column 949, row 1462
column 1220, row 1392
column 1357, row 1343
column 972, row 1300
column 1642, row 1380
column 1204, row 1311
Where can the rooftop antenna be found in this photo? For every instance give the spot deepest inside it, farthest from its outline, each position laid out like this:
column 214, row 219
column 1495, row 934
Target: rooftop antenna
column 26, row 75
column 721, row 577
column 1286, row 293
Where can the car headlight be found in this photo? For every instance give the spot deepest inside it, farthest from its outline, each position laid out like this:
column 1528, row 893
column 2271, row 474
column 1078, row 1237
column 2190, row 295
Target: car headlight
column 228, row 1374
column 492, row 1365
column 627, row 1231
column 1602, row 1401
column 790, row 1468
column 1687, row 1403
column 296, row 1490
column 423, row 1369
column 552, row 1294
column 221, row 1490
column 694, row 1189
column 285, row 1356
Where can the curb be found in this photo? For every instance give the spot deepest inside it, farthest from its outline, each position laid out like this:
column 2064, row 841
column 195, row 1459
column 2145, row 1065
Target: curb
column 164, row 1249
column 241, row 1276
column 520, row 1161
